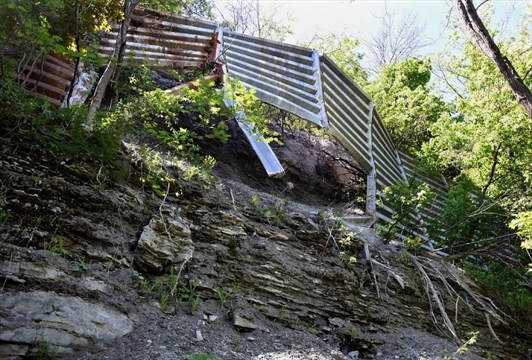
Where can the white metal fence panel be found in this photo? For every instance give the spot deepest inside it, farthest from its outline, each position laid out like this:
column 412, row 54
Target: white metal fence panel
column 285, row 76
column 348, row 111
column 387, row 166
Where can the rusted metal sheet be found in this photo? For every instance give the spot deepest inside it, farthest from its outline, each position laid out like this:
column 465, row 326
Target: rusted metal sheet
column 285, row 76
column 163, row 40
column 47, row 78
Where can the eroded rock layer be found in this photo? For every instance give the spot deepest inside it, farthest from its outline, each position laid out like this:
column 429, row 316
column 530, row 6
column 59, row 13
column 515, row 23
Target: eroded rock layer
column 85, row 261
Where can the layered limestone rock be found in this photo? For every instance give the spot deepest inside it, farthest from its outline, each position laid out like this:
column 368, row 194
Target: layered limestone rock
column 34, row 317
column 78, row 263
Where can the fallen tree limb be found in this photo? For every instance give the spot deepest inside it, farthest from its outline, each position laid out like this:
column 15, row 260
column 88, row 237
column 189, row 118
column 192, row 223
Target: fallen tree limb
column 436, row 296
column 178, row 90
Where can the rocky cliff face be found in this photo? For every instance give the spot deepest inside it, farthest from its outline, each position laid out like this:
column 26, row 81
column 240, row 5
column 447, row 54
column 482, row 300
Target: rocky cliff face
column 93, row 268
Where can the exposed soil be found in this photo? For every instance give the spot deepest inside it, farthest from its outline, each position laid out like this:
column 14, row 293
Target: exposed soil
column 321, row 171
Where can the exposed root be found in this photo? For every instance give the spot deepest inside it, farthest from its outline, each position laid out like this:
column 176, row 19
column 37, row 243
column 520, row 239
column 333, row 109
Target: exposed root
column 443, row 273
column 429, row 286
column 371, row 269
column 390, row 272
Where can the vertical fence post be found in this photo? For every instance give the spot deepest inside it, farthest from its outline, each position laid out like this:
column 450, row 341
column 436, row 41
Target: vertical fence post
column 371, row 181
column 319, row 88
column 217, row 52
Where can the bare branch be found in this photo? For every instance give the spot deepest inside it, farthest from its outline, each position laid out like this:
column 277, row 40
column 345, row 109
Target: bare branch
column 396, row 40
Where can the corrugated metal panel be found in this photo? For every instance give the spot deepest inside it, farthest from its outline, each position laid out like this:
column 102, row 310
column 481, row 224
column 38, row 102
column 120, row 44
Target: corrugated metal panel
column 48, row 79
column 348, row 109
column 289, row 77
column 436, row 183
column 285, row 76
column 264, row 152
column 162, row 40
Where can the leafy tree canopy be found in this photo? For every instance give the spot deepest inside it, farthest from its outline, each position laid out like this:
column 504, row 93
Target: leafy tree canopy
column 406, row 102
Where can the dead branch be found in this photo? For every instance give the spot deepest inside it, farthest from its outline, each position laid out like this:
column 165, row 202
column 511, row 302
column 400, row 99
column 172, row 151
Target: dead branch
column 436, row 296
column 390, row 272
column 371, row 269
column 193, row 85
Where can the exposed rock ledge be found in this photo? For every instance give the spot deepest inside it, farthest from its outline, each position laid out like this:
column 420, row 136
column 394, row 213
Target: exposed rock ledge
column 83, row 294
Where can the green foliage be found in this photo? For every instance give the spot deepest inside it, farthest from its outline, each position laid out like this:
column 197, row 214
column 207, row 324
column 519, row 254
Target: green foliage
column 413, row 244
column 405, row 198
column 38, row 27
column 163, row 116
column 406, row 102
column 246, row 102
column 468, row 217
column 488, row 137
column 46, row 351
column 180, row 124
column 523, row 224
column 25, row 30
column 61, row 132
column 203, row 356
column 134, row 81
column 512, row 285
column 192, row 8
column 344, row 52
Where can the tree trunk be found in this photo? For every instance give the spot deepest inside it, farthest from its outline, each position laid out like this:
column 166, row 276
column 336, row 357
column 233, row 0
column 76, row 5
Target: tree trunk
column 475, row 30
column 118, row 54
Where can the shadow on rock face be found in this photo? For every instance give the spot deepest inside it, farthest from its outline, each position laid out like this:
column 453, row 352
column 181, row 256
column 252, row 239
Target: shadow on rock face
column 321, row 171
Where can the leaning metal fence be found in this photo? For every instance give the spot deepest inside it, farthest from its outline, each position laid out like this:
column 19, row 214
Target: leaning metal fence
column 292, row 78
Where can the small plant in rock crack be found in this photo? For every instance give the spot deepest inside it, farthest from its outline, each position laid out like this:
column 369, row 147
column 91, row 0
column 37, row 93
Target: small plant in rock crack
column 165, row 307
column 254, row 201
column 404, row 258
column 353, row 330
column 45, row 351
column 464, row 347
column 345, row 258
column 193, row 296
column 277, row 214
column 80, row 265
column 224, row 295
column 362, row 280
column 331, row 224
column 177, row 290
column 203, row 357
column 57, row 246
